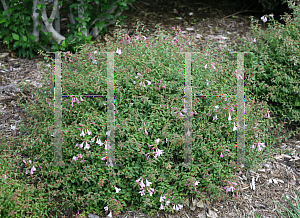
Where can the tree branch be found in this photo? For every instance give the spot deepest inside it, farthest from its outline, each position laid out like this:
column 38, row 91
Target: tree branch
column 55, row 35
column 70, row 15
column 57, row 19
column 35, row 21
column 81, row 16
column 95, row 32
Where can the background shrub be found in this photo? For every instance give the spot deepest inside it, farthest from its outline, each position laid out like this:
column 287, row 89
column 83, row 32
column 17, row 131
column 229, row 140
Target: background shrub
column 274, row 63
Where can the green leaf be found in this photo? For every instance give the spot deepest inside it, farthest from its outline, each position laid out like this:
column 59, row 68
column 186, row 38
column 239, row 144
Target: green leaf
column 16, row 44
column 15, row 36
column 108, row 16
column 63, row 43
column 25, row 38
column 2, row 20
column 122, row 3
column 38, row 28
column 38, row 6
column 31, row 37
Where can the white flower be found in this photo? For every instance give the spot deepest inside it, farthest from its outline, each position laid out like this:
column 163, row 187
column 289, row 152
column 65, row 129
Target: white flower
column 118, row 51
column 162, row 198
column 234, row 128
column 110, row 214
column 142, row 184
column 264, row 19
column 81, row 145
column 32, row 169
column 87, row 146
column 88, row 132
column 157, row 141
column 106, row 208
column 158, row 152
column 82, row 134
column 229, row 118
column 148, row 183
column 99, row 142
column 117, row 189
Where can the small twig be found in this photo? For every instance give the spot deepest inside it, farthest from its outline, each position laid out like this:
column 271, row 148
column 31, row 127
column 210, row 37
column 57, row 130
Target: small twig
column 239, row 13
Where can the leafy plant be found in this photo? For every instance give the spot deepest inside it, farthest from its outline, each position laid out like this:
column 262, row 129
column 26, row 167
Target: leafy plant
column 15, row 30
column 149, row 132
column 275, row 75
column 16, row 198
column 16, row 24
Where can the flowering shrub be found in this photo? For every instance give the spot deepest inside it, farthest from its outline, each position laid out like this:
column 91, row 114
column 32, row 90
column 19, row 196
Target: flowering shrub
column 149, row 130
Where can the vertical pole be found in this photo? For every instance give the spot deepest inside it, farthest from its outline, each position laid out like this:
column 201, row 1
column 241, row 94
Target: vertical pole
column 240, row 109
column 110, row 110
column 188, row 106
column 57, row 108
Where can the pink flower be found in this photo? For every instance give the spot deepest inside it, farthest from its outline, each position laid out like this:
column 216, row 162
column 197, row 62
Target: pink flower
column 213, row 66
column 142, row 192
column 150, row 192
column 142, row 184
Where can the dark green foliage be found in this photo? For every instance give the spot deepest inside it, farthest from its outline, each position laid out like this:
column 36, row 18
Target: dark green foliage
column 16, row 31
column 271, row 4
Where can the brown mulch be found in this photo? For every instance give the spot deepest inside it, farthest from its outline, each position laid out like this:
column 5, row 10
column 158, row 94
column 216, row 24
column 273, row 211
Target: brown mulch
column 277, row 177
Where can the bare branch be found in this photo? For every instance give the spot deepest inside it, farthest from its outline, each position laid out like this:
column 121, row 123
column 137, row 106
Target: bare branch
column 55, row 35
column 71, row 16
column 35, row 21
column 57, row 19
column 54, row 10
column 81, row 16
